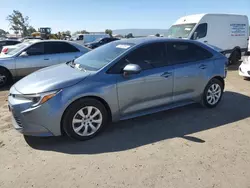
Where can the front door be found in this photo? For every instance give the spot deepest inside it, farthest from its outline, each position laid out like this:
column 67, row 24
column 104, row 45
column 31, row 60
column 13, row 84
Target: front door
column 191, row 64
column 28, row 64
column 150, row 88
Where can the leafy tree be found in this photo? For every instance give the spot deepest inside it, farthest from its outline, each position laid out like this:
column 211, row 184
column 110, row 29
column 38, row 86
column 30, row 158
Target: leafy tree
column 67, row 33
column 130, row 35
column 81, row 32
column 18, row 23
column 31, row 30
column 109, row 32
column 2, row 33
column 157, row 35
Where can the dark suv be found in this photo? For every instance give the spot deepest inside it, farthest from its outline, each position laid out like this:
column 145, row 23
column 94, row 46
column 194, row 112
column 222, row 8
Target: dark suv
column 100, row 42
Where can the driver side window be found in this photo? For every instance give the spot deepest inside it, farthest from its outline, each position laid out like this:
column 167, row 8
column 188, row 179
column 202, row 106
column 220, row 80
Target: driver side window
column 201, row 31
column 147, row 57
column 36, row 49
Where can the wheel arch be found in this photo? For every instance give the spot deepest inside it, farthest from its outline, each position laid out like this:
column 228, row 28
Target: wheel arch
column 220, row 79
column 104, row 102
column 2, row 67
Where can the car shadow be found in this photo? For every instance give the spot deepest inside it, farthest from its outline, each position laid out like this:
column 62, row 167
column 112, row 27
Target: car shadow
column 141, row 131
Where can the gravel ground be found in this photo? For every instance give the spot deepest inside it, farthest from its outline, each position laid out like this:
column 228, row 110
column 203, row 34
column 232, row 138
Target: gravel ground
column 185, row 147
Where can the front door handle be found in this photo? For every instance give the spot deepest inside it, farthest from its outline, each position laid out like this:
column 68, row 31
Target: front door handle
column 46, row 59
column 202, row 66
column 205, row 41
column 166, row 74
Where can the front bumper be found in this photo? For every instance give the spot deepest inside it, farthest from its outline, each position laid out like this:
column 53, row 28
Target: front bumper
column 244, row 70
column 43, row 120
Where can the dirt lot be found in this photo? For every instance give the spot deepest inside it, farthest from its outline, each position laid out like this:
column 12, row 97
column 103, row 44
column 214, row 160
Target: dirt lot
column 186, row 147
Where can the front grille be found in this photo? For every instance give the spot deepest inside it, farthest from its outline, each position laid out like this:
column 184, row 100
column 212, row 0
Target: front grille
column 18, row 120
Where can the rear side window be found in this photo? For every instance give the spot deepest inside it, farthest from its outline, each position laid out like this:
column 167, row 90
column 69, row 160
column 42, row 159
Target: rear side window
column 59, row 47
column 183, row 52
column 201, row 31
column 3, row 43
column 147, row 57
column 12, row 42
column 36, row 49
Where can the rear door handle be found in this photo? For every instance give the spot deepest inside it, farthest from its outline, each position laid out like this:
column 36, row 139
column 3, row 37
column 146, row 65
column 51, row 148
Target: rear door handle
column 205, row 41
column 166, row 74
column 46, row 59
column 202, row 66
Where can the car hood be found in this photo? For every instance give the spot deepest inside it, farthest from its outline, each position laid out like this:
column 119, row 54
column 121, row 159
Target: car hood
column 49, row 79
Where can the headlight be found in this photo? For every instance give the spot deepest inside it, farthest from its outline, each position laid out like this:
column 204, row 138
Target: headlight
column 38, row 99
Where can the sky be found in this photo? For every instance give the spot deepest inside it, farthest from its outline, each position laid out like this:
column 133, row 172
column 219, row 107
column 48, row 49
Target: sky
column 98, row 15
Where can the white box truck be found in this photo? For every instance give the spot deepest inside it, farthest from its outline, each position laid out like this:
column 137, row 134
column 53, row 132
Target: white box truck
column 228, row 32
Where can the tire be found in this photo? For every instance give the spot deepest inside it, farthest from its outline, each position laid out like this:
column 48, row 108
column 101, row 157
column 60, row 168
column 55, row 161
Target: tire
column 5, row 77
column 235, row 57
column 206, row 100
column 86, row 125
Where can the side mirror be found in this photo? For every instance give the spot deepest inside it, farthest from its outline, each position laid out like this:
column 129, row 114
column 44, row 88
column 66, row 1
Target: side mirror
column 131, row 69
column 24, row 54
column 195, row 35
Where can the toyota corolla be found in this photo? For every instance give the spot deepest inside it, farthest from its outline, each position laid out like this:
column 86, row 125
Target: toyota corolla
column 117, row 81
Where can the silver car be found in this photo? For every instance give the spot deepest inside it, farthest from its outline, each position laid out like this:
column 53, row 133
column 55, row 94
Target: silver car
column 117, row 81
column 33, row 55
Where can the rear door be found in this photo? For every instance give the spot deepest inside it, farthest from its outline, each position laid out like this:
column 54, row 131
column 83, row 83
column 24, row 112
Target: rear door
column 66, row 52
column 192, row 64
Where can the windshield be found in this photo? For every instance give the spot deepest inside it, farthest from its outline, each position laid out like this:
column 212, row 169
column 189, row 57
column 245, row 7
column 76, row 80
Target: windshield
column 98, row 58
column 18, row 48
column 180, row 31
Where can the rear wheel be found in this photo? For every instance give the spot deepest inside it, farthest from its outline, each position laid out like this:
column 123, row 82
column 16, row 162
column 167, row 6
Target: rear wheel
column 235, row 57
column 5, row 77
column 84, row 119
column 212, row 93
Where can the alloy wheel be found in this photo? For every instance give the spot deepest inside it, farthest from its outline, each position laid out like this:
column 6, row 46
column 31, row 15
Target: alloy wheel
column 213, row 94
column 87, row 121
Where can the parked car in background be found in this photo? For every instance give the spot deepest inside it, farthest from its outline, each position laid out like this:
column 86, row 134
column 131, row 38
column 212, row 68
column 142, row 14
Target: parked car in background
column 100, row 42
column 86, row 38
column 244, row 68
column 31, row 56
column 8, row 42
column 8, row 49
column 117, row 81
column 226, row 31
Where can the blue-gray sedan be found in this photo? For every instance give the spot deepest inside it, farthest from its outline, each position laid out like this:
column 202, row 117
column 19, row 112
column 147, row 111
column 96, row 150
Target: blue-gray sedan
column 120, row 80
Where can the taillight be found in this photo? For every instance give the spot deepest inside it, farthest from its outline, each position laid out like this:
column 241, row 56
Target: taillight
column 5, row 50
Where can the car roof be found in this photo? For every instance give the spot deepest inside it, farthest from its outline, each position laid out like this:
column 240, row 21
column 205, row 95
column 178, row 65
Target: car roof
column 144, row 40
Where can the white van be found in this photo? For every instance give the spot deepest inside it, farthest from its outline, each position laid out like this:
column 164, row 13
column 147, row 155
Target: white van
column 226, row 31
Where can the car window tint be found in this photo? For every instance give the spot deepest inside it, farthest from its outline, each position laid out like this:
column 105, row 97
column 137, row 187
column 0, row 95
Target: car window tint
column 181, row 52
column 59, row 47
column 201, row 31
column 2, row 43
column 36, row 49
column 11, row 42
column 147, row 57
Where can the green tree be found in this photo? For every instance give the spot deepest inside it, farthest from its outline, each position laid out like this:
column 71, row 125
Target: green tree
column 2, row 33
column 18, row 23
column 109, row 32
column 31, row 30
column 68, row 33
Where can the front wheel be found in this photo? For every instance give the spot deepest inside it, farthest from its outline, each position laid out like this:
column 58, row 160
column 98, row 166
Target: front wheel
column 212, row 93
column 84, row 119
